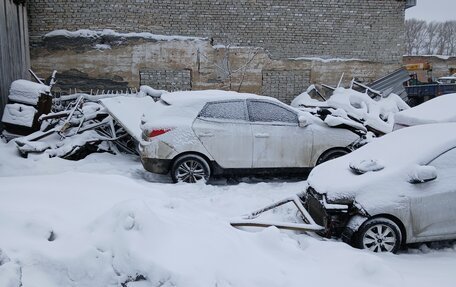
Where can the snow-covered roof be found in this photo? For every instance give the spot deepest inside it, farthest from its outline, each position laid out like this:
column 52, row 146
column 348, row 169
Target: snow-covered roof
column 437, row 110
column 396, row 153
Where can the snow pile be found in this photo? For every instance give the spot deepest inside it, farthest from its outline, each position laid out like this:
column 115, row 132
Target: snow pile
column 350, row 105
column 438, row 110
column 149, row 91
column 27, row 92
column 97, row 222
column 85, row 33
column 18, row 114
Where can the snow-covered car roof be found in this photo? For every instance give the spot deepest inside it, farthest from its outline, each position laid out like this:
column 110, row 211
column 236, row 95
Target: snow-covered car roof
column 392, row 156
column 437, row 110
column 199, row 98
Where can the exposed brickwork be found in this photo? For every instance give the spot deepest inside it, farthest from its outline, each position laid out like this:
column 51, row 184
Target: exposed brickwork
column 365, row 29
column 285, row 85
column 169, row 80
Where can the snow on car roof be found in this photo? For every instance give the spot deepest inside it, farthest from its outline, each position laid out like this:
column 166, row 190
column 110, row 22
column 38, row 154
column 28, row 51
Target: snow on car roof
column 396, row 153
column 188, row 98
column 439, row 109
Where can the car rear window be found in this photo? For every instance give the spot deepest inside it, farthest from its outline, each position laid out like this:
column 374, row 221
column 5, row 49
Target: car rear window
column 233, row 110
column 268, row 112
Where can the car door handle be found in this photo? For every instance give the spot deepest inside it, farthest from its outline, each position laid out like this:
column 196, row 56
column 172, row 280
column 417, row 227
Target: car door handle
column 206, row 135
column 262, row 135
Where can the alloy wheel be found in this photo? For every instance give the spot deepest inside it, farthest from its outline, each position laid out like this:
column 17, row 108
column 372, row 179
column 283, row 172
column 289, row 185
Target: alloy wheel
column 191, row 171
column 379, row 238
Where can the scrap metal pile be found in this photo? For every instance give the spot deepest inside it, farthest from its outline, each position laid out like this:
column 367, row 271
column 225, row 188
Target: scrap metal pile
column 76, row 129
column 359, row 108
column 77, row 124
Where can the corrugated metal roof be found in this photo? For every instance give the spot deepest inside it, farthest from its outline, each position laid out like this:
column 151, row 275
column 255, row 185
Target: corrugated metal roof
column 393, row 82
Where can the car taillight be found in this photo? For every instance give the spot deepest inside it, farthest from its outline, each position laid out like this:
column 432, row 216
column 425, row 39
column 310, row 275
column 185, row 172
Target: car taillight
column 158, row 132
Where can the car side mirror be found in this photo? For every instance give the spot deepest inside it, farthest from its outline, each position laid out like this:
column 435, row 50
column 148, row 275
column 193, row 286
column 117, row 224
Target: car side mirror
column 421, row 173
column 303, row 121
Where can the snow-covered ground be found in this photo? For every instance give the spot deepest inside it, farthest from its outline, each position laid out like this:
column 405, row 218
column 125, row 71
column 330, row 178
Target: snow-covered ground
column 104, row 221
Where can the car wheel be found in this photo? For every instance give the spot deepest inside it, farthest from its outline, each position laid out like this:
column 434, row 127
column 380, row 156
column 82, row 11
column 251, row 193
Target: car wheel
column 379, row 235
column 190, row 169
column 331, row 154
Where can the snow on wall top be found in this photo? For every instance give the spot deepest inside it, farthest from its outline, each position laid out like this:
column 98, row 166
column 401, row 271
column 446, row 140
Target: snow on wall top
column 27, row 92
column 85, row 33
column 439, row 109
column 398, row 152
column 18, row 114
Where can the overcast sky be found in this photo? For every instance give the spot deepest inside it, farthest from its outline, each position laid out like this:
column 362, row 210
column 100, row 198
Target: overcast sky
column 433, row 10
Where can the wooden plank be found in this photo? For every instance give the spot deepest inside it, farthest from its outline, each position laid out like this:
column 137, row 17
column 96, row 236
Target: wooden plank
column 14, row 47
column 3, row 57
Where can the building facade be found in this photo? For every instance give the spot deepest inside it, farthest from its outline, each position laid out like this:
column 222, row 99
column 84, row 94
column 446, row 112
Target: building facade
column 272, row 47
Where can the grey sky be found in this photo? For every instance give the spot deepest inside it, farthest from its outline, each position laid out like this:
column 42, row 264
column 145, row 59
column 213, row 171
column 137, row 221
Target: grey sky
column 433, row 10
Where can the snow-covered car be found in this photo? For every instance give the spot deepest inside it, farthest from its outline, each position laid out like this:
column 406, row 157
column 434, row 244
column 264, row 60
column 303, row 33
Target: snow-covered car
column 438, row 110
column 195, row 135
column 396, row 190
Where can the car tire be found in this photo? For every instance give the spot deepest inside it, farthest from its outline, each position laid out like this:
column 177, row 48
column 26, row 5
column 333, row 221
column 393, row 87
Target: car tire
column 331, row 154
column 379, row 235
column 190, row 168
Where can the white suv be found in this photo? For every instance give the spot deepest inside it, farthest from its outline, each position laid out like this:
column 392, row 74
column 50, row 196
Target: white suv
column 195, row 135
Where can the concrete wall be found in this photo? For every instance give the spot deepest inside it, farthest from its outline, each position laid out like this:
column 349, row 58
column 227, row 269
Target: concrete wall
column 210, row 67
column 371, row 30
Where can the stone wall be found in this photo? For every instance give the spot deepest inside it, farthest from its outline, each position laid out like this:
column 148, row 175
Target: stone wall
column 370, row 30
column 178, row 64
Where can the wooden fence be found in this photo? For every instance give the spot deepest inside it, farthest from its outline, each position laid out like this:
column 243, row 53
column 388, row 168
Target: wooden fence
column 14, row 46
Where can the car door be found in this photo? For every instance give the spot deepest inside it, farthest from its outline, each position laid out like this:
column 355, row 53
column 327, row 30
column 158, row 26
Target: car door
column 224, row 130
column 433, row 208
column 278, row 141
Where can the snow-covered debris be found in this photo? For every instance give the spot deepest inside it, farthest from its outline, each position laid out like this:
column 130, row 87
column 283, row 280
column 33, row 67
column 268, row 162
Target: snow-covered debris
column 127, row 111
column 94, row 34
column 438, row 110
column 82, row 128
column 357, row 107
column 27, row 92
column 19, row 114
column 151, row 91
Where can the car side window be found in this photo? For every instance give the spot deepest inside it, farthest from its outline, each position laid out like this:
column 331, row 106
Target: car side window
column 232, row 110
column 260, row 111
column 446, row 160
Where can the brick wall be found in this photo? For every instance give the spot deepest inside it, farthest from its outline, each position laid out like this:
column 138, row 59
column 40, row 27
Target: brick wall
column 169, row 80
column 285, row 85
column 363, row 29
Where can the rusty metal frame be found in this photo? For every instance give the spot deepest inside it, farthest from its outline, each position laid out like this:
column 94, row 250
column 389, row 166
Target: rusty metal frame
column 250, row 220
